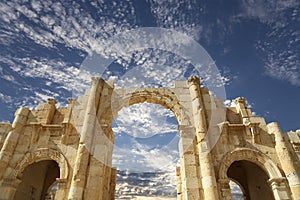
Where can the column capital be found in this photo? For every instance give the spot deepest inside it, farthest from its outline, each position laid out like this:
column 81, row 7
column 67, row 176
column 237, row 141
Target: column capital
column 51, row 101
column 11, row 182
column 223, row 180
column 275, row 182
column 194, row 80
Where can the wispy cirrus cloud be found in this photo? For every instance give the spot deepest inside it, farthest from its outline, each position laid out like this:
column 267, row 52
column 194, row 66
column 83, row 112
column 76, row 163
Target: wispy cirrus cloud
column 280, row 47
column 282, row 63
column 75, row 27
column 144, row 120
column 267, row 11
column 140, row 158
column 283, row 67
column 50, row 26
column 136, row 153
column 171, row 16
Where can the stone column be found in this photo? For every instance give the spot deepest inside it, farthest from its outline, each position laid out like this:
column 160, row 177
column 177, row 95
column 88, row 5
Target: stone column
column 209, row 183
column 9, row 188
column 241, row 107
column 113, row 182
column 189, row 175
column 279, row 188
column 289, row 162
column 84, row 147
column 190, row 181
column 225, row 189
column 179, row 184
column 12, row 138
column 48, row 111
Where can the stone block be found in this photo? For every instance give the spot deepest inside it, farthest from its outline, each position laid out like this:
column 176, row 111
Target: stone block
column 180, row 84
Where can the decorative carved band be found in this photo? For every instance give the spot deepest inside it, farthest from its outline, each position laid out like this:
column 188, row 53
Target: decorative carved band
column 39, row 155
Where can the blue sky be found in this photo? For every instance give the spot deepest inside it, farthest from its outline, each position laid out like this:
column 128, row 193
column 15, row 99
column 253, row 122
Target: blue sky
column 255, row 44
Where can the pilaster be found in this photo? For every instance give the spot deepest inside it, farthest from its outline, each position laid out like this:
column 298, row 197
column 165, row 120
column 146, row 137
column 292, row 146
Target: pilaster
column 279, row 187
column 84, row 147
column 289, row 162
column 207, row 172
column 12, row 138
column 225, row 191
column 189, row 176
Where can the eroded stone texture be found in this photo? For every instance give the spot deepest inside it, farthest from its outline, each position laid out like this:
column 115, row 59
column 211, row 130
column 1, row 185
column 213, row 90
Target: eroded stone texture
column 71, row 148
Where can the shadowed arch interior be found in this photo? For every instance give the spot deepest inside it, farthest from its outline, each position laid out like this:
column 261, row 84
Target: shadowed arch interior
column 36, row 180
column 252, row 178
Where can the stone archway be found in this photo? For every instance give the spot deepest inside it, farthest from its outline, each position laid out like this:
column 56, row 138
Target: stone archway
column 40, row 155
column 36, row 179
column 33, row 157
column 162, row 96
column 116, row 99
column 245, row 159
column 165, row 98
column 94, row 154
column 252, row 178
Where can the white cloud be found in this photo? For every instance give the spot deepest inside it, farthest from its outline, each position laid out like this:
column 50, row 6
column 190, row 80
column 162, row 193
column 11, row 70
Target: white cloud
column 141, row 121
column 172, row 16
column 160, row 163
column 86, row 33
column 236, row 191
column 5, row 98
column 81, row 31
column 279, row 48
column 281, row 67
column 229, row 103
column 59, row 72
column 141, row 158
column 267, row 11
column 279, row 52
column 144, row 120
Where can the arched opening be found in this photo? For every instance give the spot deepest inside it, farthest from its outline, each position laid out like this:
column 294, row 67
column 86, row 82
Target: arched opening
column 145, row 151
column 38, row 181
column 252, row 180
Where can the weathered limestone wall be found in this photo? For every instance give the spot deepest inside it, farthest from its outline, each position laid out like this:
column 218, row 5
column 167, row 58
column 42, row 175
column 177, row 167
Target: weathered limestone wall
column 239, row 137
column 4, row 130
column 79, row 138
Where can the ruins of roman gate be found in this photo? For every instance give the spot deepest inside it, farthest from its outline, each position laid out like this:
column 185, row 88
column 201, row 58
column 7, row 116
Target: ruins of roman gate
column 70, row 148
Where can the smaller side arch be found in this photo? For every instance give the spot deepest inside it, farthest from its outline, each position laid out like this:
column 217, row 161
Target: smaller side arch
column 249, row 155
column 40, row 155
column 276, row 180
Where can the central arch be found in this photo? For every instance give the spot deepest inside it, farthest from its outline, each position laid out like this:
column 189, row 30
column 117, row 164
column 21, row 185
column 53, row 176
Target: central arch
column 122, row 98
column 162, row 96
column 113, row 100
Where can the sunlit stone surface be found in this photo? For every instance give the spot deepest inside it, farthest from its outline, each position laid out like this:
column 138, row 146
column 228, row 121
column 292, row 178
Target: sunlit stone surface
column 72, row 147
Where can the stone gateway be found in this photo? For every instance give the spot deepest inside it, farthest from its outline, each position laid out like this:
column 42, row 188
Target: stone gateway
column 66, row 153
